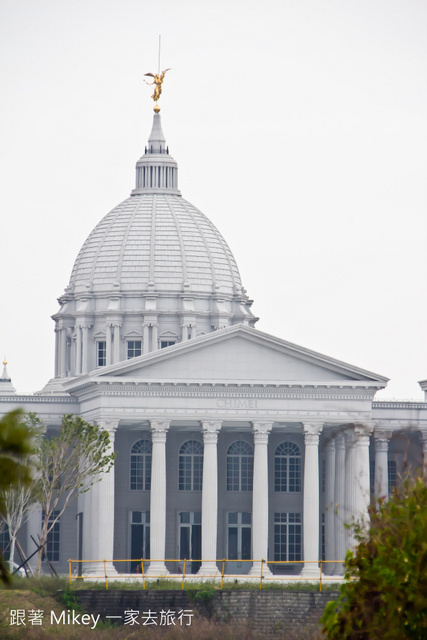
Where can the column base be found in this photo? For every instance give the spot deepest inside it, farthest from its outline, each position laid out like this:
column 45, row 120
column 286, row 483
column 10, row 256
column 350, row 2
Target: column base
column 208, row 569
column 96, row 570
column 156, row 570
column 256, row 570
column 310, row 572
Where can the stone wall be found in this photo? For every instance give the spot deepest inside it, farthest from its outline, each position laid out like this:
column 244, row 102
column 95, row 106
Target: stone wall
column 267, row 613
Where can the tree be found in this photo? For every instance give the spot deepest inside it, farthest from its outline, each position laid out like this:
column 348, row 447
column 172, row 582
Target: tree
column 69, row 464
column 15, row 448
column 18, row 498
column 385, row 593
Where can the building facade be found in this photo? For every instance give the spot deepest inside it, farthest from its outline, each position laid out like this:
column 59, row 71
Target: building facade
column 230, row 443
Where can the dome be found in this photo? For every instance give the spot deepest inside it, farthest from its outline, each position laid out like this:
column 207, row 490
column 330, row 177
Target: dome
column 159, row 240
column 155, row 271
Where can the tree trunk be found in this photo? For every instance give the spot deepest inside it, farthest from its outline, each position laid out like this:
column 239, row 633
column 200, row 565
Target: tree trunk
column 11, row 552
column 43, row 538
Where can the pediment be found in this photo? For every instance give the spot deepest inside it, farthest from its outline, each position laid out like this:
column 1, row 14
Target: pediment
column 241, row 355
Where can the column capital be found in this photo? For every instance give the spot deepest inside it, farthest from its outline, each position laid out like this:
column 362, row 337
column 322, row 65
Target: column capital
column 110, row 425
column 382, row 436
column 159, row 429
column 312, row 431
column 210, row 430
column 330, row 445
column 362, row 430
column 340, row 441
column 349, row 437
column 261, row 431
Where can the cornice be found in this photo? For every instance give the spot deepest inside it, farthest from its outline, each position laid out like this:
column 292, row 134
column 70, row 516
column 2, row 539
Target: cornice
column 39, row 399
column 208, row 389
column 397, row 404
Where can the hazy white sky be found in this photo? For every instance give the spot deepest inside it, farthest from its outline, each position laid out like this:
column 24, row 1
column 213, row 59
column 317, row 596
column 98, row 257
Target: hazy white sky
column 300, row 129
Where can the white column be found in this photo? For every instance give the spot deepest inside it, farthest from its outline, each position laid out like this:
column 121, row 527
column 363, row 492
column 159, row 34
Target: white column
column 381, row 439
column 34, row 527
column 340, row 537
column 193, row 331
column 157, row 566
column 154, row 336
column 63, row 352
column 85, row 355
column 79, row 350
column 99, row 516
column 350, row 484
column 145, row 338
column 108, row 345
column 260, row 498
column 330, row 505
column 311, row 500
column 116, row 355
column 57, row 350
column 184, row 334
column 210, row 498
column 363, row 494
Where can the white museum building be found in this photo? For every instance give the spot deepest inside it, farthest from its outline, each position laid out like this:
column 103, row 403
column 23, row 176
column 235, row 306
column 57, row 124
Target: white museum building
column 231, row 443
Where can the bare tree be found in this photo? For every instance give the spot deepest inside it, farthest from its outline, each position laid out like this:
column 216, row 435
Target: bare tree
column 69, row 464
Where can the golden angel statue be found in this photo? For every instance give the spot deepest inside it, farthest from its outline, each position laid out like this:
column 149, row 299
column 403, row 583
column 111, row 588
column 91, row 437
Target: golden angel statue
column 157, row 82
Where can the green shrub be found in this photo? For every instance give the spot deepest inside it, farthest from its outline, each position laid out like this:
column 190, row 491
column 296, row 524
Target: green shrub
column 385, row 593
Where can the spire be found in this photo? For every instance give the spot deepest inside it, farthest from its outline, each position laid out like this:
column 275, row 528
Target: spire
column 157, row 140
column 6, row 386
column 156, row 170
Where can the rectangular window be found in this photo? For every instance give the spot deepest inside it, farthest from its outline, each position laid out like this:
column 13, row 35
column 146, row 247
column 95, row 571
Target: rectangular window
column 287, row 537
column 239, row 530
column 4, row 541
column 323, row 538
column 140, row 539
column 101, row 353
column 372, row 474
column 134, row 348
column 392, row 475
column 52, row 544
column 166, row 343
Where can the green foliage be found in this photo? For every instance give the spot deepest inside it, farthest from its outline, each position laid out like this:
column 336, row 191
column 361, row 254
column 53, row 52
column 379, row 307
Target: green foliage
column 385, row 595
column 15, row 447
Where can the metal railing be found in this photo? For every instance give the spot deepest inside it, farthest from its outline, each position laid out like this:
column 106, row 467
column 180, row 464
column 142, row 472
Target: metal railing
column 194, row 577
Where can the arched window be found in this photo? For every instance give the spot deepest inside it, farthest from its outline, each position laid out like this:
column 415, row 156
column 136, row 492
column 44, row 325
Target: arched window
column 140, row 466
column 240, row 466
column 287, row 467
column 190, row 466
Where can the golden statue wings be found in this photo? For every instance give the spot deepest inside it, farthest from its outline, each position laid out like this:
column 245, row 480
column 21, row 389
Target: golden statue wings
column 157, row 82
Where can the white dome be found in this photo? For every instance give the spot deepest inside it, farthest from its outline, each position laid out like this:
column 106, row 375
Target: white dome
column 153, row 272
column 159, row 239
